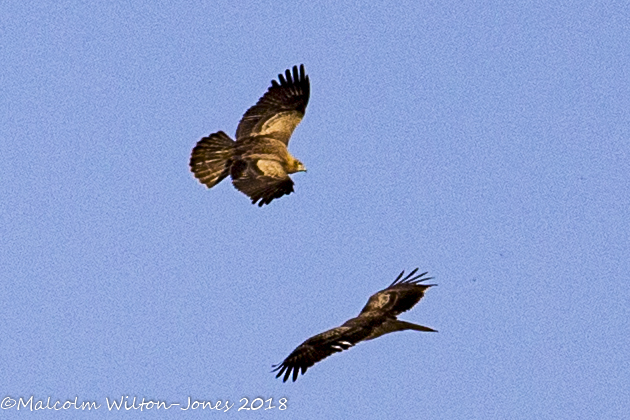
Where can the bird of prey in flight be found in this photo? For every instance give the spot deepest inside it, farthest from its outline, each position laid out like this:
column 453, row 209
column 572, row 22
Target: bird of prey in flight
column 258, row 161
column 378, row 317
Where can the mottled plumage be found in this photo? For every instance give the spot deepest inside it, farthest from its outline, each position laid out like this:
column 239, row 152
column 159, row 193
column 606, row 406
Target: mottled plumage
column 258, row 161
column 378, row 317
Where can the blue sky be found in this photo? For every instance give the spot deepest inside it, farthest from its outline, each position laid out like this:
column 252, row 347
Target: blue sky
column 484, row 142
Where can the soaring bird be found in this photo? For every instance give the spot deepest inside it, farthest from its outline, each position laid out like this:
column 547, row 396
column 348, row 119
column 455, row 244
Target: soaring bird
column 258, row 161
column 378, row 317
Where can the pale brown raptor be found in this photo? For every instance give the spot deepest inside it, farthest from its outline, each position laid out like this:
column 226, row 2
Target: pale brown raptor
column 258, row 161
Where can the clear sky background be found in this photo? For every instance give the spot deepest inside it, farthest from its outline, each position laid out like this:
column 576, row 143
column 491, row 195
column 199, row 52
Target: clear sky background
column 488, row 144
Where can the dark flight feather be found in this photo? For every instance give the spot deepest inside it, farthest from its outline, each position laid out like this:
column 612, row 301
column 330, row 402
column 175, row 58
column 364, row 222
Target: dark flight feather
column 283, row 106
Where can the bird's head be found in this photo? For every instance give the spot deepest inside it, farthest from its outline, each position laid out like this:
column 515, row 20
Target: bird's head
column 297, row 166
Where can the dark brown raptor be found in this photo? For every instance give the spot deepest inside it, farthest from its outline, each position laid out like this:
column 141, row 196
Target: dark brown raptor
column 378, row 317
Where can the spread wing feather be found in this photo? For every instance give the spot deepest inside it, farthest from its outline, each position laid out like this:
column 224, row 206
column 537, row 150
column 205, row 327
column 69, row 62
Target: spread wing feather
column 280, row 109
column 321, row 346
column 402, row 295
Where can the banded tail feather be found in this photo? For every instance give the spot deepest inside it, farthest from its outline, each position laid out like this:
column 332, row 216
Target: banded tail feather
column 211, row 158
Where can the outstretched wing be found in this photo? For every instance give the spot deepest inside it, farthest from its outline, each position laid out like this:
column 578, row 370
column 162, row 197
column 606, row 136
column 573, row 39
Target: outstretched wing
column 279, row 110
column 262, row 180
column 323, row 345
column 399, row 297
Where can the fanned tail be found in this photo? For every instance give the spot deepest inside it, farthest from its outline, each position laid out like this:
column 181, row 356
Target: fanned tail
column 211, row 158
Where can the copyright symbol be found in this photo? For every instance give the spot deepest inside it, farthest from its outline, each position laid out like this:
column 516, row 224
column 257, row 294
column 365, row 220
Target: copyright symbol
column 7, row 402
